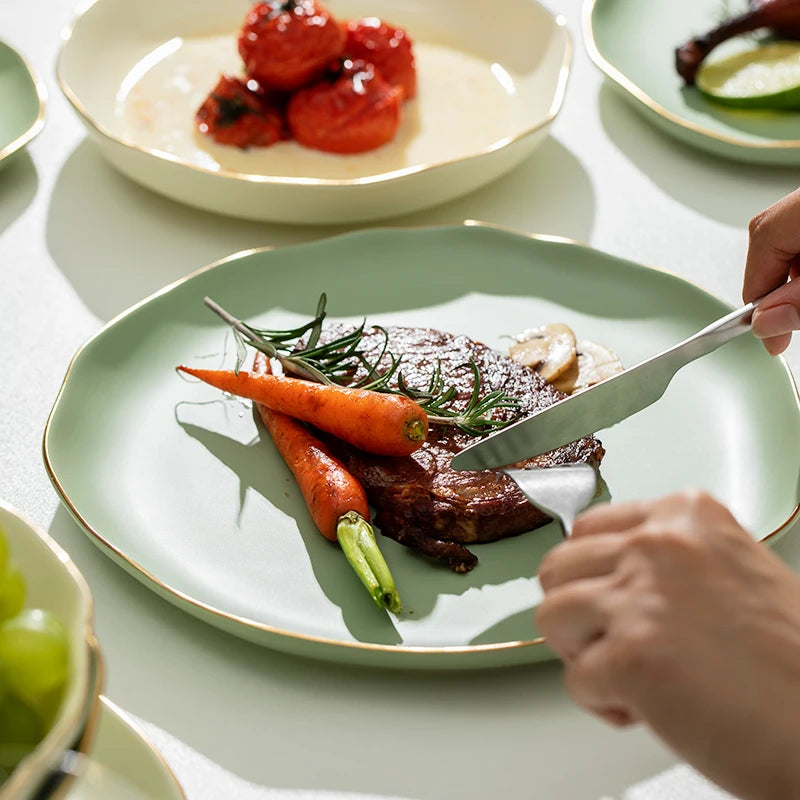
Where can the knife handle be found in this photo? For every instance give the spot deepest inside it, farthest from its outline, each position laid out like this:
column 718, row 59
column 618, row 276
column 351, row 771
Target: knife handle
column 718, row 333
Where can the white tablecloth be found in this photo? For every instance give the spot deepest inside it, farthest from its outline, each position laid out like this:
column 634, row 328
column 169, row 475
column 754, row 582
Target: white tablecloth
column 202, row 779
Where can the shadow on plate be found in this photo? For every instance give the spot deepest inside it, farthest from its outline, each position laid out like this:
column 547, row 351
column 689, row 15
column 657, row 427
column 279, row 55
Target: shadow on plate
column 780, row 125
column 519, row 626
column 711, row 186
column 18, row 185
column 339, row 585
column 429, row 259
column 134, row 607
column 550, row 193
column 422, row 582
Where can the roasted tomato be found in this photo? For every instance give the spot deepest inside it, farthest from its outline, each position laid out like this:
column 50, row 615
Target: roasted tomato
column 236, row 114
column 354, row 112
column 287, row 45
column 387, row 47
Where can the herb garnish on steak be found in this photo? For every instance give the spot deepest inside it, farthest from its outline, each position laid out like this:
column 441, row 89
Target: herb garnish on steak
column 420, row 500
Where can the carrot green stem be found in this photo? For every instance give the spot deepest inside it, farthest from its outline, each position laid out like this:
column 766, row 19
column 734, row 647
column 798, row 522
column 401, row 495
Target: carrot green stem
column 357, row 540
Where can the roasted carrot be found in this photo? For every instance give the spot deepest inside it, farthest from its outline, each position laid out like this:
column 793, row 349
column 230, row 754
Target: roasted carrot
column 334, row 498
column 329, row 490
column 384, row 424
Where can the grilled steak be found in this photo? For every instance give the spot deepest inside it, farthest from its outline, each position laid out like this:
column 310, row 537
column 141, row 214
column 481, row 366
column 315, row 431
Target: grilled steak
column 420, row 500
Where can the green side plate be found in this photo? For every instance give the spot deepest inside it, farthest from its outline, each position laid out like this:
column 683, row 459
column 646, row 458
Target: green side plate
column 124, row 764
column 175, row 483
column 22, row 97
column 634, row 43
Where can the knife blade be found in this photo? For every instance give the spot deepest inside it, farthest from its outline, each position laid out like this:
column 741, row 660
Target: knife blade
column 602, row 405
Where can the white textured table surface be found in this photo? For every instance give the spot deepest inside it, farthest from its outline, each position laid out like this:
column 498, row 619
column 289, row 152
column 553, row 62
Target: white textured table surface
column 79, row 243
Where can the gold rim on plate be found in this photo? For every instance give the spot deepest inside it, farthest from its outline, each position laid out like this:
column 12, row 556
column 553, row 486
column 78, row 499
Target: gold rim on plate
column 34, row 130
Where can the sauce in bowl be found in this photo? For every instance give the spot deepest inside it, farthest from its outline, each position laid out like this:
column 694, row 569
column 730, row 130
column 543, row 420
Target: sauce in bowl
column 465, row 104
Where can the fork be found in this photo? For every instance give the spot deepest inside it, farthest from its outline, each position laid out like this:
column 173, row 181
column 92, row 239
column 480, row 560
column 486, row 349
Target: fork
column 561, row 492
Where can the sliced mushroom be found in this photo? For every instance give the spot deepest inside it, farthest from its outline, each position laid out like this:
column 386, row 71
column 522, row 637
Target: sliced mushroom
column 566, row 381
column 596, row 362
column 550, row 350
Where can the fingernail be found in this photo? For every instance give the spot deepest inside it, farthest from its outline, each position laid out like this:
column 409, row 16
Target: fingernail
column 777, row 344
column 775, row 321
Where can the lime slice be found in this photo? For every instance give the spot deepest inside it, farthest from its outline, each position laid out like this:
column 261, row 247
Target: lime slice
column 767, row 77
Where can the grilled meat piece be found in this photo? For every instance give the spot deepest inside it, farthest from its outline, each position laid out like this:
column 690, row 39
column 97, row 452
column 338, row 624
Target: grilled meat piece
column 420, row 500
column 781, row 16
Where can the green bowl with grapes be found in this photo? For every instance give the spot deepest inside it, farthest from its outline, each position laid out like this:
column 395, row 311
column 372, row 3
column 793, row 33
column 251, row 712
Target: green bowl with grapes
column 50, row 665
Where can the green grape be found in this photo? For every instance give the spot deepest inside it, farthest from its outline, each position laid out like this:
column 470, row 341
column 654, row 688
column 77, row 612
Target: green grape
column 3, row 552
column 19, row 722
column 34, row 652
column 20, row 730
column 12, row 592
column 34, row 667
column 48, row 704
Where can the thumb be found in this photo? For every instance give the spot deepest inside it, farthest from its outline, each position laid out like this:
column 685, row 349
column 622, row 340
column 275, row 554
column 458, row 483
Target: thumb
column 777, row 316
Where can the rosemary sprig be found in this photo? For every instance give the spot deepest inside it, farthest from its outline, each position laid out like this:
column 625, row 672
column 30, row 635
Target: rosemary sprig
column 275, row 346
column 476, row 419
column 337, row 362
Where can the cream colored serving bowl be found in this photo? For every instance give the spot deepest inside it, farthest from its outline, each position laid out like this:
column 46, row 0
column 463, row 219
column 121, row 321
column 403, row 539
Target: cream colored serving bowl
column 491, row 81
column 54, row 583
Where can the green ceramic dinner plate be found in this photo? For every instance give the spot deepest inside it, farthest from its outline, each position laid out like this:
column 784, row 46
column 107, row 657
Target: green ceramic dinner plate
column 634, row 43
column 22, row 97
column 176, row 483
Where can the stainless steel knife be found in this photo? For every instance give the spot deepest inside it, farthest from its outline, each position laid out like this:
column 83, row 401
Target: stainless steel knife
column 602, row 405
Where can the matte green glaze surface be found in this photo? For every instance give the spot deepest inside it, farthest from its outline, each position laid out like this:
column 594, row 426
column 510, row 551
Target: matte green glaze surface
column 634, row 44
column 174, row 482
column 22, row 100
